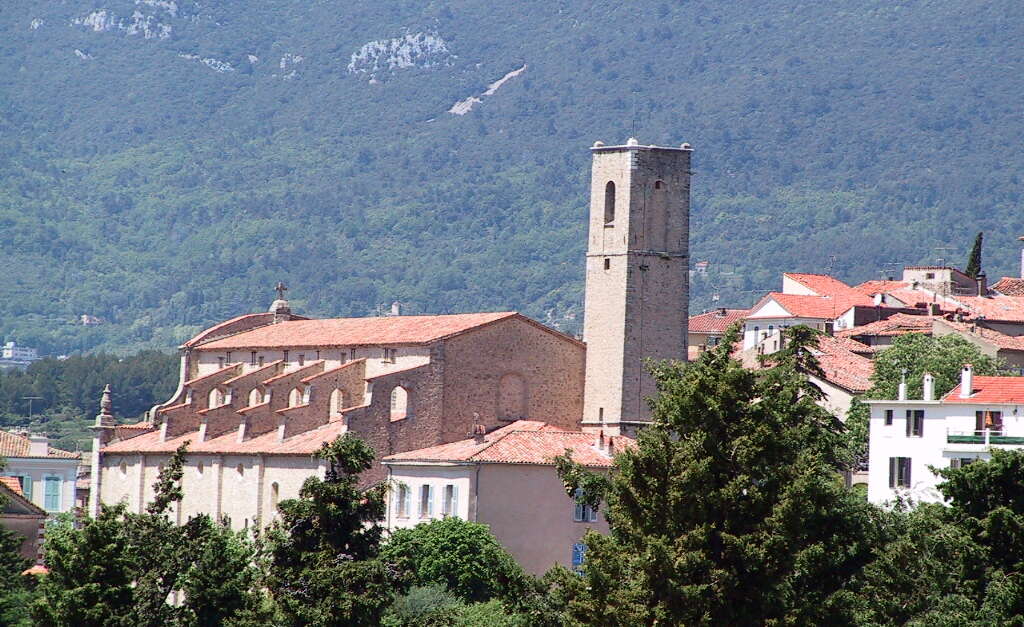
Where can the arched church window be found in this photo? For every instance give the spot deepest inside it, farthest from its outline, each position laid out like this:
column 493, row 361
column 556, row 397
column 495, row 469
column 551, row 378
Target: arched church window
column 216, row 398
column 295, row 398
column 609, row 203
column 255, row 397
column 337, row 402
column 399, row 403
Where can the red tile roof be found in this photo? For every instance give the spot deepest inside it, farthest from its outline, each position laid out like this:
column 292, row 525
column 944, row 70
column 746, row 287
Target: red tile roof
column 522, row 442
column 820, row 284
column 897, row 324
column 13, row 484
column 304, row 443
column 14, row 445
column 715, row 321
column 1009, row 286
column 991, row 391
column 357, row 331
column 880, row 287
column 1007, row 308
column 803, row 306
column 842, row 366
column 989, row 336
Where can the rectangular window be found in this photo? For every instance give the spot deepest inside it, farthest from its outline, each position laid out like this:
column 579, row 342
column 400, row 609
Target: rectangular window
column 899, row 472
column 286, row 358
column 402, row 502
column 390, row 354
column 991, row 420
column 228, row 358
column 220, row 362
column 451, row 500
column 888, row 417
column 51, row 495
column 302, row 359
column 252, row 358
column 260, row 361
column 915, row 423
column 579, row 551
column 960, row 462
column 607, row 263
column 581, row 511
column 26, row 486
column 343, row 356
column 426, row 501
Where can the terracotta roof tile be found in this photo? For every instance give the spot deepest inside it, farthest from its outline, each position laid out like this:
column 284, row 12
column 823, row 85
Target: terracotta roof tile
column 820, row 284
column 842, row 366
column 880, row 287
column 990, row 336
column 1009, row 286
column 356, row 331
column 1008, row 308
column 804, row 306
column 715, row 321
column 13, row 484
column 991, row 391
column 522, row 442
column 305, row 443
column 14, row 445
column 897, row 324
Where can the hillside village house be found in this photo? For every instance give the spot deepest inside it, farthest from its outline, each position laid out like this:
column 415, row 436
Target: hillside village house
column 259, row 393
column 507, row 480
column 23, row 517
column 45, row 474
column 706, row 330
column 907, row 436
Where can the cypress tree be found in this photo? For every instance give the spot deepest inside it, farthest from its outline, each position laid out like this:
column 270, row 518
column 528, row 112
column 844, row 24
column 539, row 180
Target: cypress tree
column 974, row 261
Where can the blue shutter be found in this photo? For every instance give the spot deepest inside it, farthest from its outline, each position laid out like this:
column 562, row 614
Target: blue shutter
column 52, row 494
column 578, row 552
column 26, row 486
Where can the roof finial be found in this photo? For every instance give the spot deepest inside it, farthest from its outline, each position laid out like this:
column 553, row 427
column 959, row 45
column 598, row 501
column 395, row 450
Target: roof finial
column 280, row 307
column 105, row 403
column 281, row 289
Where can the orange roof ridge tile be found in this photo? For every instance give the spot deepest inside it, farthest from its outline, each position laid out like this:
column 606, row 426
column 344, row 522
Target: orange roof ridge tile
column 244, row 410
column 213, row 374
column 284, row 410
column 333, row 370
column 253, row 372
column 391, row 372
column 288, row 373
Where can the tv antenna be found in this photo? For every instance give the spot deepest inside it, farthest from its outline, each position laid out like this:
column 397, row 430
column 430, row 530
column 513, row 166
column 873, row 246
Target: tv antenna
column 940, row 259
column 831, row 264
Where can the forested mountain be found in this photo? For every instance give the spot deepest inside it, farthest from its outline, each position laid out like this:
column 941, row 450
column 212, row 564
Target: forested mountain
column 164, row 162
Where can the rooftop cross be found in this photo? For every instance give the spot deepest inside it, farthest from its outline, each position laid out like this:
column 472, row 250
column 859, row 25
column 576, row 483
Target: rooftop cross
column 281, row 289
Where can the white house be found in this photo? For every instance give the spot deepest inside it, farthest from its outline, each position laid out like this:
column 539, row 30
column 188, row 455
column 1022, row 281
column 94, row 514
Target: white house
column 47, row 475
column 909, row 437
column 507, row 480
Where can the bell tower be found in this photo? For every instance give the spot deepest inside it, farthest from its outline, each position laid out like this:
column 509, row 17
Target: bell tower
column 637, row 288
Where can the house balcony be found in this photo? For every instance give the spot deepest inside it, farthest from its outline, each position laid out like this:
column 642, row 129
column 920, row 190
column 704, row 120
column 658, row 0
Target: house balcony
column 987, row 437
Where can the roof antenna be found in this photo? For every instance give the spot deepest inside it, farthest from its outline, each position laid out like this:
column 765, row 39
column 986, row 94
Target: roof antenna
column 831, row 264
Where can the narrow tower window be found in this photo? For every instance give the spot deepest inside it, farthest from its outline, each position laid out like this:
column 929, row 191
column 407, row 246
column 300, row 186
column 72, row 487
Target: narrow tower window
column 609, row 203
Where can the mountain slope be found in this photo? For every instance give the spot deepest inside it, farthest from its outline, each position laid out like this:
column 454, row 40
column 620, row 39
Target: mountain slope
column 165, row 162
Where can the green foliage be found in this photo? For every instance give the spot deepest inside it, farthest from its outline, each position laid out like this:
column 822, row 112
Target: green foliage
column 974, row 260
column 728, row 511
column 160, row 209
column 943, row 357
column 462, row 556
column 121, row 568
column 434, row 605
column 323, row 552
column 15, row 589
column 68, row 392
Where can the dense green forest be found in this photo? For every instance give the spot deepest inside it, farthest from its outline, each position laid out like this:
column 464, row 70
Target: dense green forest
column 66, row 392
column 163, row 163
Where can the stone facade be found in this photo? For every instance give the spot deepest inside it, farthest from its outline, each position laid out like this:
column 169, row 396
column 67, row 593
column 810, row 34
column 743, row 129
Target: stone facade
column 637, row 291
column 253, row 423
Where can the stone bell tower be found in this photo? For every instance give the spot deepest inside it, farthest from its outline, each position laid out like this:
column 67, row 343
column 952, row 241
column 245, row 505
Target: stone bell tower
column 637, row 288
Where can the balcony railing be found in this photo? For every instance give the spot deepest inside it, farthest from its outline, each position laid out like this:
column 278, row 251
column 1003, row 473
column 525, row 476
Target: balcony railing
column 987, row 437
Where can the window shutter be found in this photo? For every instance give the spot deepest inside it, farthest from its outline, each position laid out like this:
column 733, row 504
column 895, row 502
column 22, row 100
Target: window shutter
column 906, row 462
column 430, row 501
column 455, row 501
column 52, row 494
column 892, row 471
column 407, row 501
column 26, row 486
column 910, row 422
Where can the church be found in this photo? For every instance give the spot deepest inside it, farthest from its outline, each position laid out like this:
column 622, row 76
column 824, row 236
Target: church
column 258, row 394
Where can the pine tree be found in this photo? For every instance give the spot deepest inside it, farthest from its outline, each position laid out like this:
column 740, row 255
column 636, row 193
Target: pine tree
column 730, row 510
column 974, row 261
column 324, row 567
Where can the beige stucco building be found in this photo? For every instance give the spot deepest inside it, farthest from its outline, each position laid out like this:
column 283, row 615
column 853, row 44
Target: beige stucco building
column 505, row 479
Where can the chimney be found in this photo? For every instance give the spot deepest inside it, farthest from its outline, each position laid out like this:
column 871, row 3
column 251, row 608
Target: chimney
column 396, row 308
column 901, row 395
column 479, row 431
column 966, row 381
column 982, row 280
column 721, row 312
column 929, row 387
column 599, row 442
column 37, row 445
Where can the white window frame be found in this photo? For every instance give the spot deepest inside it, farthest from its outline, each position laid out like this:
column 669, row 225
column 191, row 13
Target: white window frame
column 60, row 490
column 426, row 501
column 450, row 501
column 581, row 511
